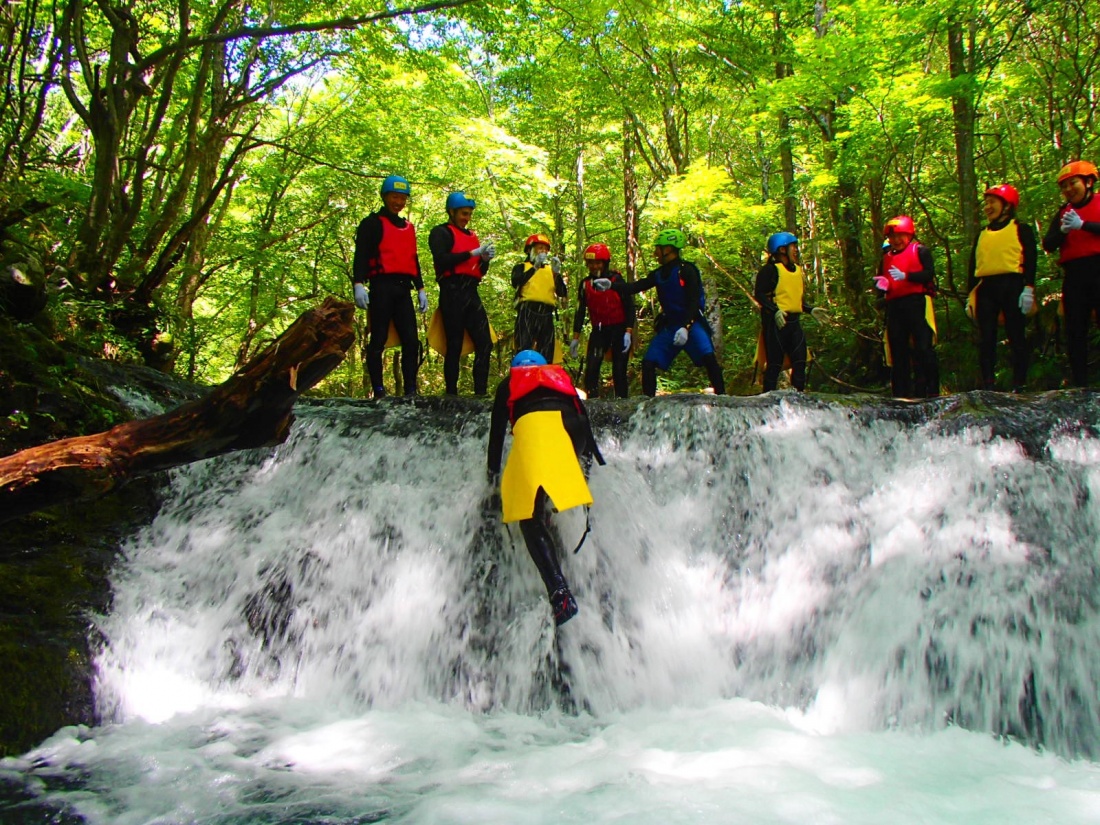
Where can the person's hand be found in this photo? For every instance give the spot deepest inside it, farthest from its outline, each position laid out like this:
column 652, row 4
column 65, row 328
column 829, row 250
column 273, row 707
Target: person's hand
column 1027, row 300
column 477, row 251
column 970, row 309
column 555, row 265
column 681, row 337
column 1071, row 220
column 882, row 282
column 626, row 342
column 574, row 347
column 896, row 273
column 422, row 297
column 539, row 260
column 488, row 252
column 362, row 300
column 780, row 318
column 601, row 284
column 820, row 315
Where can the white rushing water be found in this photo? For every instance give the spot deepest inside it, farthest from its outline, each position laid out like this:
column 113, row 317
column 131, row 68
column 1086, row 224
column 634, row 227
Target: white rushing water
column 789, row 612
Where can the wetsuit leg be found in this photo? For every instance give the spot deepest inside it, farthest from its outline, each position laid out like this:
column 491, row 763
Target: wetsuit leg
column 1076, row 303
column 924, row 356
column 773, row 352
column 451, row 307
column 619, row 361
column 535, row 329
column 593, row 359
column 404, row 321
column 794, row 342
column 477, row 322
column 898, row 331
column 379, row 313
column 649, row 378
column 714, row 373
column 540, row 546
column 1015, row 328
column 987, row 308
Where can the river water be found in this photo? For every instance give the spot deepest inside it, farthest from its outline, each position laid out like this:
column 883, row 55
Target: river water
column 792, row 610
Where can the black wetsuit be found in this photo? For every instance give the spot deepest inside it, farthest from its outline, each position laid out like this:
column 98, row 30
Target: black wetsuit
column 462, row 311
column 535, row 319
column 1080, row 293
column 390, row 301
column 536, row 530
column 604, row 337
column 789, row 341
column 1000, row 293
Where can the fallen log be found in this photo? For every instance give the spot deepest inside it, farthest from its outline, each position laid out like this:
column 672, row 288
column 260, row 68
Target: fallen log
column 252, row 409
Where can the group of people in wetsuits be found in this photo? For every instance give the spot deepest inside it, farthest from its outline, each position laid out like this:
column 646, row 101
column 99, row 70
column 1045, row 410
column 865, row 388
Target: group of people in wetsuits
column 552, row 438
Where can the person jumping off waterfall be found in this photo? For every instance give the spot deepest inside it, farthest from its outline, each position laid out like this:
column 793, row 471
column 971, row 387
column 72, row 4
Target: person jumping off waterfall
column 551, row 437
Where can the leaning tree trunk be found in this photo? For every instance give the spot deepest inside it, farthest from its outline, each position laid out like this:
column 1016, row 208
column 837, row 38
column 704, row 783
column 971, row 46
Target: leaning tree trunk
column 252, row 409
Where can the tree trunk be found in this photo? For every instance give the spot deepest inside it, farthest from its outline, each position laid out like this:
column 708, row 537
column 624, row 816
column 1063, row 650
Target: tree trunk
column 965, row 118
column 630, row 205
column 252, row 409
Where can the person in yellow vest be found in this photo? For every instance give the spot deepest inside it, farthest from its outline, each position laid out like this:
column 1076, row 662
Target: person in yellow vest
column 907, row 278
column 461, row 261
column 780, row 291
column 551, row 437
column 539, row 285
column 1075, row 234
column 385, row 270
column 1002, row 283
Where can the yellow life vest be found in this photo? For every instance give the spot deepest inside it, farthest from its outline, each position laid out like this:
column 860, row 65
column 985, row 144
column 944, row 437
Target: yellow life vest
column 789, row 289
column 999, row 251
column 540, row 287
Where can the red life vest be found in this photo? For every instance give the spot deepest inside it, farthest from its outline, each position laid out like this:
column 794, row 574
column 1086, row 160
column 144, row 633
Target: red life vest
column 907, row 261
column 1079, row 243
column 525, row 380
column 464, row 242
column 397, row 250
column 604, row 308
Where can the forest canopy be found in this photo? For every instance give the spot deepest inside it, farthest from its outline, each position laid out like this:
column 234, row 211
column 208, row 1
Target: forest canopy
column 179, row 181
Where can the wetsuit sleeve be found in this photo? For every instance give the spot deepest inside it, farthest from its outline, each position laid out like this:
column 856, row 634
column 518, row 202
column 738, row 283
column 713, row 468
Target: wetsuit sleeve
column 641, row 285
column 519, row 277
column 560, row 288
column 367, row 238
column 440, row 244
column 1054, row 238
column 1031, row 254
column 582, row 308
column 693, row 291
column 630, row 307
column 767, row 279
column 590, row 446
column 498, row 423
column 927, row 273
column 972, row 266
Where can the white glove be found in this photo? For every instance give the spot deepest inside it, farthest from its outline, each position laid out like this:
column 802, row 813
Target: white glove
column 423, row 300
column 362, row 300
column 896, row 273
column 1071, row 220
column 681, row 337
column 820, row 315
column 488, row 252
column 477, row 252
column 574, row 347
column 601, row 284
column 780, row 318
column 1027, row 300
column 539, row 260
column 626, row 342
column 882, row 282
column 555, row 265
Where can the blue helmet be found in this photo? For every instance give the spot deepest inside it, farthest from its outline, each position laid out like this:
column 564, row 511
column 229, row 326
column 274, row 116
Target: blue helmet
column 528, row 358
column 780, row 239
column 458, row 200
column 396, row 183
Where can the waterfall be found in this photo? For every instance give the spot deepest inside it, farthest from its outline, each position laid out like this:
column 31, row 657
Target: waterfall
column 869, row 567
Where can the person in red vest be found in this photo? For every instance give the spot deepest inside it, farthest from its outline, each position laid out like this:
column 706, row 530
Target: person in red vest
column 612, row 315
column 907, row 278
column 1002, row 282
column 551, row 436
column 461, row 261
column 385, row 270
column 1075, row 233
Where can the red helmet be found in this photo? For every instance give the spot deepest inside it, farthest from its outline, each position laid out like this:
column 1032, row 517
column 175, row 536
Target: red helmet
column 902, row 224
column 597, row 252
column 1076, row 168
column 1005, row 192
column 534, row 239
